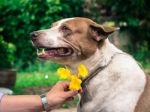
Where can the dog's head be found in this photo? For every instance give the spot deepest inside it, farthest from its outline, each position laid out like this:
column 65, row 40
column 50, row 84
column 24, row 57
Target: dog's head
column 70, row 40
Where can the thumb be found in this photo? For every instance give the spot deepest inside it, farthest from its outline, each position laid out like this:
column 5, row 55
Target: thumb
column 71, row 93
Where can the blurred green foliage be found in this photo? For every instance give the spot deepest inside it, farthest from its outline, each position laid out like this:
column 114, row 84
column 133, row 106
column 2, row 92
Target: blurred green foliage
column 34, row 79
column 7, row 51
column 142, row 53
column 20, row 17
column 41, row 67
column 132, row 16
column 137, row 16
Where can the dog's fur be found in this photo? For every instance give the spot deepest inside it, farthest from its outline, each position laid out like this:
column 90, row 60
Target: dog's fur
column 121, row 87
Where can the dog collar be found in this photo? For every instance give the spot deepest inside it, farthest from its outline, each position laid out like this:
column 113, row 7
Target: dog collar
column 96, row 71
column 91, row 75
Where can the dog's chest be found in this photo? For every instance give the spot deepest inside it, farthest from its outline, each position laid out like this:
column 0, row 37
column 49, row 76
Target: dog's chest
column 96, row 92
column 113, row 90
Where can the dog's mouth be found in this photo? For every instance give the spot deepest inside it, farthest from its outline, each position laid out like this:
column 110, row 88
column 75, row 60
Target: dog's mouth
column 43, row 52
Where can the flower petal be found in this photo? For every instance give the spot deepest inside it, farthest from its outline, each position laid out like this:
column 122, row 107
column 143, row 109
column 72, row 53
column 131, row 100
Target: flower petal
column 75, row 83
column 63, row 73
column 82, row 71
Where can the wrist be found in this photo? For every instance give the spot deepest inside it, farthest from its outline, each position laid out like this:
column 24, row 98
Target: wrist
column 45, row 104
column 37, row 103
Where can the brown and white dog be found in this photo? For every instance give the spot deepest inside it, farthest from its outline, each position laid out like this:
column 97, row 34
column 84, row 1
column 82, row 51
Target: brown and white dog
column 121, row 86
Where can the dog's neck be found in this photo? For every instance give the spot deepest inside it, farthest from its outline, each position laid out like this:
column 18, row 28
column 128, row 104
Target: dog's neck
column 101, row 57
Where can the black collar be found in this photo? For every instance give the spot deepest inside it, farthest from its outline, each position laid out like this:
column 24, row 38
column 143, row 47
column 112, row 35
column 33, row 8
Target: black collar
column 90, row 76
column 96, row 71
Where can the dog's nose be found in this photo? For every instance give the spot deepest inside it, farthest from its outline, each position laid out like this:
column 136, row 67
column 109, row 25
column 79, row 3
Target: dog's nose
column 34, row 35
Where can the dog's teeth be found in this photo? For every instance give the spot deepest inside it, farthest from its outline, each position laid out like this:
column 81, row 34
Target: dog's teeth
column 40, row 52
column 61, row 50
column 43, row 51
column 37, row 52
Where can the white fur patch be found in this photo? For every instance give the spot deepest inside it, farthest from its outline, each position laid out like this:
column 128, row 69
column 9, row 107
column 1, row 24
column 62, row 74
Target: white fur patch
column 52, row 36
column 118, row 87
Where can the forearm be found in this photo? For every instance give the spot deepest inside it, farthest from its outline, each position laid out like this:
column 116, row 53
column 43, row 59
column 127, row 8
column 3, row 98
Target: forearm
column 22, row 103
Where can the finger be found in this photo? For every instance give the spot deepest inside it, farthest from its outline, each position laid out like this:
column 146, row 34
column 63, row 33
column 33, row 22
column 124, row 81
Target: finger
column 64, row 85
column 70, row 93
column 70, row 98
column 81, row 91
column 61, row 85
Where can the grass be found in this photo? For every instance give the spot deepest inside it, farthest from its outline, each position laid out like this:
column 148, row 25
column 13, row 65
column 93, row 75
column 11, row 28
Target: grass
column 42, row 74
column 38, row 79
column 32, row 79
column 39, row 74
column 147, row 65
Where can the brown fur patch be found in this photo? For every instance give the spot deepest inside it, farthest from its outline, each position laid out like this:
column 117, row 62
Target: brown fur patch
column 144, row 101
column 81, row 37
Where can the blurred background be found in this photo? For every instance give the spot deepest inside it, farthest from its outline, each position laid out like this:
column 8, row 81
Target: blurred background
column 21, row 72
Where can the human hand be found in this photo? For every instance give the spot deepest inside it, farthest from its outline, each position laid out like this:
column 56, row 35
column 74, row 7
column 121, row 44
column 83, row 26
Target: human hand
column 59, row 94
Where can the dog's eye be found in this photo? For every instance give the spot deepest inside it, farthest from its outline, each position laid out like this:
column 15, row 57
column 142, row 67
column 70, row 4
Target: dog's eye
column 64, row 28
column 66, row 31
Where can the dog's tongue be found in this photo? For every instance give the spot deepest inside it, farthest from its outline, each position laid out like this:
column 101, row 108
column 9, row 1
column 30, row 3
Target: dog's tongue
column 51, row 52
column 54, row 52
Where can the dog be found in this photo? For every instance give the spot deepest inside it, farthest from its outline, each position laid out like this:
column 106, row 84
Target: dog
column 116, row 83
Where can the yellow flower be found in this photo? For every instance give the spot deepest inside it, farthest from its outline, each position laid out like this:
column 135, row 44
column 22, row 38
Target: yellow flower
column 75, row 83
column 63, row 73
column 82, row 71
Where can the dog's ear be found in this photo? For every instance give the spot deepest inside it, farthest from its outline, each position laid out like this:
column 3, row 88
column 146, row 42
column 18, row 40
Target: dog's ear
column 101, row 31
